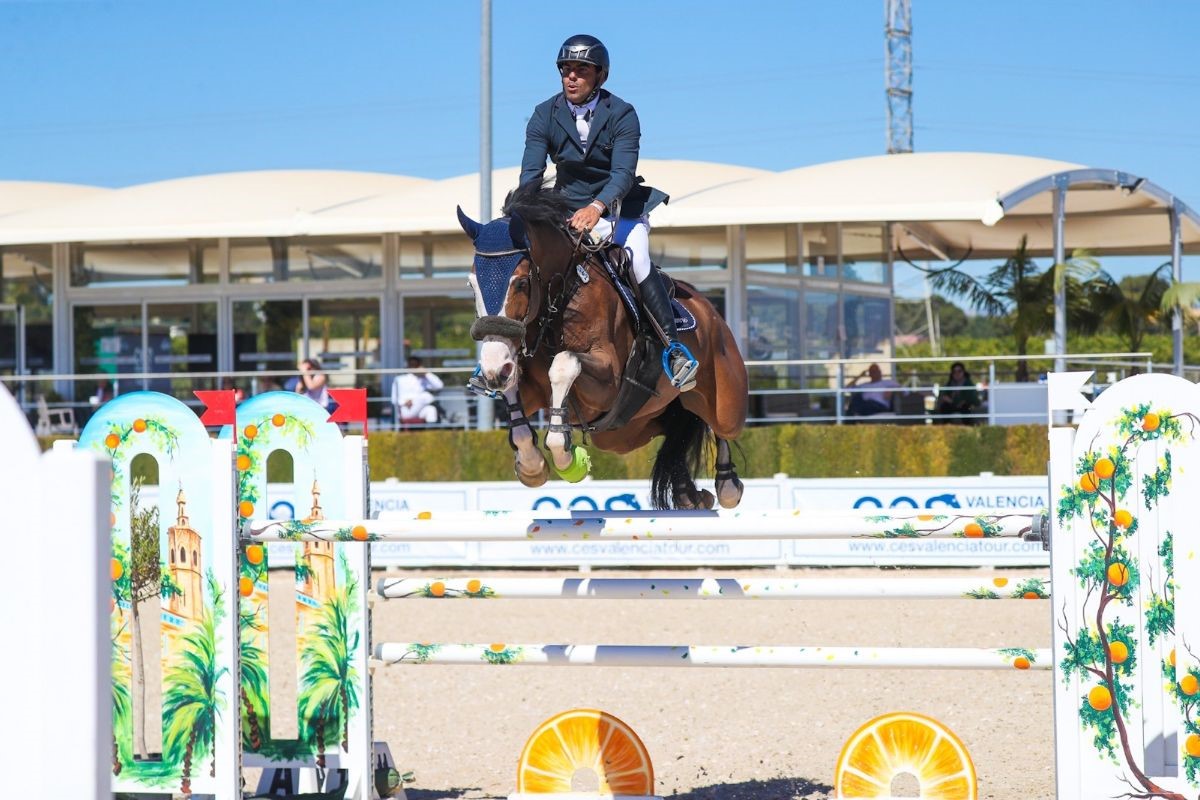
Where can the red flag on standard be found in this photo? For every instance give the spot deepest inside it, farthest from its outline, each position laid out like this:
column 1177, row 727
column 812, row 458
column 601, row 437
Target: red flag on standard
column 352, row 406
column 219, row 406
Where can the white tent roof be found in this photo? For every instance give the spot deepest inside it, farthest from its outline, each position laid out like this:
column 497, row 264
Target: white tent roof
column 266, row 203
column 941, row 204
column 430, row 208
column 18, row 196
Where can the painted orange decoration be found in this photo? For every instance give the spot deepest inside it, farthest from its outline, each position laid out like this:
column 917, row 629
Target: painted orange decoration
column 139, row 426
column 1104, row 468
column 585, row 739
column 243, row 463
column 1089, row 482
column 254, row 554
column 1100, row 698
column 437, row 589
column 1118, row 574
column 1122, row 518
column 1118, row 652
column 1021, row 662
column 1191, row 745
column 474, row 585
column 1000, row 582
column 925, row 517
column 905, row 743
column 246, row 508
column 250, row 431
column 1150, row 422
column 498, row 648
column 111, row 441
column 112, row 520
column 245, row 586
column 277, row 420
column 973, row 530
column 1189, row 685
column 1031, row 596
column 1171, row 657
column 425, row 515
column 116, row 569
column 359, row 533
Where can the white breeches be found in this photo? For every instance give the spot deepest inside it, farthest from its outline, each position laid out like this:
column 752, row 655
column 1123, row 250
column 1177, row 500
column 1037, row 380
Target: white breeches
column 637, row 243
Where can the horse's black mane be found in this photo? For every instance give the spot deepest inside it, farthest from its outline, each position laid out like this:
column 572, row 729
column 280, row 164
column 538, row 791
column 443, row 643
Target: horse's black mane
column 537, row 205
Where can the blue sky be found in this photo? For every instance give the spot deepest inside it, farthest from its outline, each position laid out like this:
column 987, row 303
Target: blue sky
column 117, row 93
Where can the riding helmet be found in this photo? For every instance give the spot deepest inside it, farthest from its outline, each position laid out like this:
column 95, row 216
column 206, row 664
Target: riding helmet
column 585, row 49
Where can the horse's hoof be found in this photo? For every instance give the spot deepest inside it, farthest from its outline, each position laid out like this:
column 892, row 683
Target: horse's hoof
column 729, row 492
column 535, row 479
column 705, row 499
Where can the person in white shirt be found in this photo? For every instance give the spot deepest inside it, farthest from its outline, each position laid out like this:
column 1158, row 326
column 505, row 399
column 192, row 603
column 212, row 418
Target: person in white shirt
column 873, row 397
column 412, row 395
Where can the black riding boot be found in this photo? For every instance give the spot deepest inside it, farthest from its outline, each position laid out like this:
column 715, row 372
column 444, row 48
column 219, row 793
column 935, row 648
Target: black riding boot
column 681, row 367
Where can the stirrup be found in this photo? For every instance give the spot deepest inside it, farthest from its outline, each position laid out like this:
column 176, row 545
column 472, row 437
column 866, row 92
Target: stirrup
column 685, row 378
column 475, row 385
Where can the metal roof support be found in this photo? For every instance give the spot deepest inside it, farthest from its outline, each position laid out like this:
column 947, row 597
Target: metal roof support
column 1060, row 279
column 1176, row 277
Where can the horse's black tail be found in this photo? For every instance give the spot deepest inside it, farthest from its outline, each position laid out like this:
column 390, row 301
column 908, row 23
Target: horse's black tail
column 684, row 438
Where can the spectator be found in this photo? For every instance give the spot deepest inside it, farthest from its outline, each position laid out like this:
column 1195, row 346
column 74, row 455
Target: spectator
column 312, row 383
column 104, row 393
column 958, row 397
column 873, row 397
column 412, row 395
column 229, row 386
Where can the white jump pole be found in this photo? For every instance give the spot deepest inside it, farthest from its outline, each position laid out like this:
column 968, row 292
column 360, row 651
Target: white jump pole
column 578, row 655
column 995, row 587
column 667, row 525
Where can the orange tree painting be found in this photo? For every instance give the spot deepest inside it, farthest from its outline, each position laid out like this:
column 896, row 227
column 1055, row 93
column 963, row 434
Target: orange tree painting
column 1103, row 654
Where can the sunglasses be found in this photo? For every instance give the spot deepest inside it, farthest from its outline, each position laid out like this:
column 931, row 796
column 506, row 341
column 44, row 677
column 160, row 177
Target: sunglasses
column 579, row 69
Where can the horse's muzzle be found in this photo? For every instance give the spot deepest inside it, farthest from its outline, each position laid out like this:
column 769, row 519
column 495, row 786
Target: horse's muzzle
column 505, row 327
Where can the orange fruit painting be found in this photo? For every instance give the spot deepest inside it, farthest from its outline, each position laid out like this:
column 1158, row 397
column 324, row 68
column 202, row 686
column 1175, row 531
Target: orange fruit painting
column 1100, row 698
column 251, row 431
column 1122, row 518
column 1191, row 745
column 111, row 441
column 585, row 739
column 1118, row 574
column 1104, row 468
column 139, row 426
column 1150, row 422
column 254, row 554
column 246, row 508
column 973, row 530
column 278, row 420
column 904, row 743
column 1089, row 482
column 359, row 533
column 245, row 586
column 1118, row 652
column 1189, row 685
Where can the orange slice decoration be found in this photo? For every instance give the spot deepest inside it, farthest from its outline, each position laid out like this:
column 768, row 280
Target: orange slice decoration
column 904, row 743
column 585, row 739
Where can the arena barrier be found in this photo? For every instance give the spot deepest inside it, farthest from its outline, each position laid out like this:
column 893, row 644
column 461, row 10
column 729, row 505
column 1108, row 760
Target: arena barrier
column 55, row 591
column 1126, row 672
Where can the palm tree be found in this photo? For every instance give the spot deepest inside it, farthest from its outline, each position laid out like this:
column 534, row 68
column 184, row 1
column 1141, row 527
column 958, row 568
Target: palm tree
column 121, row 708
column 329, row 674
column 253, row 682
column 1019, row 290
column 1133, row 308
column 191, row 700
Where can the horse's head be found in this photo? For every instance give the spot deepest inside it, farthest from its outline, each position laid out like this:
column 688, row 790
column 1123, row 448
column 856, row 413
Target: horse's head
column 500, row 278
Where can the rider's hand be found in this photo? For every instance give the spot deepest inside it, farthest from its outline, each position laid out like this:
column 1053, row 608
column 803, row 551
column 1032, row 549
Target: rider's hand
column 585, row 218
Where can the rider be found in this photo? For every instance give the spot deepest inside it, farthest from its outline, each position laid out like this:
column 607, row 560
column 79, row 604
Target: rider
column 592, row 136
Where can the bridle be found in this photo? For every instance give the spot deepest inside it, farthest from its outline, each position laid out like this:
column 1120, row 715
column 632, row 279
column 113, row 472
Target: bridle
column 541, row 315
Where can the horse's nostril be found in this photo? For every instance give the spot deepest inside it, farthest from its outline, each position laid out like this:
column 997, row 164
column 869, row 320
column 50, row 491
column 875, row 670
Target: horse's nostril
column 506, row 372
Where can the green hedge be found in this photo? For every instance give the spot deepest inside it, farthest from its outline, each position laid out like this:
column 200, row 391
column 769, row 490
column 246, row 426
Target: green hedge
column 801, row 451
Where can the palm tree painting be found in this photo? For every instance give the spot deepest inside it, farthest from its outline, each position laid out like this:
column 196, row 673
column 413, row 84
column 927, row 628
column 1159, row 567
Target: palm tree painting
column 328, row 693
column 191, row 701
column 253, row 681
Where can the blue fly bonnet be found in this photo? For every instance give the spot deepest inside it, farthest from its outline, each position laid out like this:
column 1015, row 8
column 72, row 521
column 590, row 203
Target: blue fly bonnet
column 499, row 247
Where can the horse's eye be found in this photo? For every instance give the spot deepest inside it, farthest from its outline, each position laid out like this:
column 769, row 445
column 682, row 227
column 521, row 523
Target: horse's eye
column 522, row 284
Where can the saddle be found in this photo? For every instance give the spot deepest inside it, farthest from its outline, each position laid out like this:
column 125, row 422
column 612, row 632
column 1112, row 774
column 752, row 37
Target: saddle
column 644, row 365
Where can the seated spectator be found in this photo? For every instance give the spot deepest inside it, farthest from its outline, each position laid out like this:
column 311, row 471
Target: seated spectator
column 229, row 385
column 412, row 395
column 958, row 397
column 312, row 383
column 873, row 397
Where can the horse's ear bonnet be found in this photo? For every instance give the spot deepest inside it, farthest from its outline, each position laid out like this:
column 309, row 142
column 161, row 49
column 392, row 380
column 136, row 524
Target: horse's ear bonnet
column 469, row 226
column 497, row 253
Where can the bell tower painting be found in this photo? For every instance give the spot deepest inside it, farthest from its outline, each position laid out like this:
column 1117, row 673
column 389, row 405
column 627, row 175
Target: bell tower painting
column 183, row 543
column 319, row 582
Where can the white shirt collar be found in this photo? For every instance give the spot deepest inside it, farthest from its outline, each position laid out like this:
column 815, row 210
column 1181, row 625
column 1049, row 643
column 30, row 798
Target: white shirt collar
column 587, row 109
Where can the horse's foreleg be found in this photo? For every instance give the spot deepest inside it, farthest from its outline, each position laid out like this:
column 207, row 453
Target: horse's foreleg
column 563, row 371
column 528, row 463
column 729, row 487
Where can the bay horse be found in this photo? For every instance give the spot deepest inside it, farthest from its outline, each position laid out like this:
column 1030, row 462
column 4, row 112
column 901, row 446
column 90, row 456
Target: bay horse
column 556, row 336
